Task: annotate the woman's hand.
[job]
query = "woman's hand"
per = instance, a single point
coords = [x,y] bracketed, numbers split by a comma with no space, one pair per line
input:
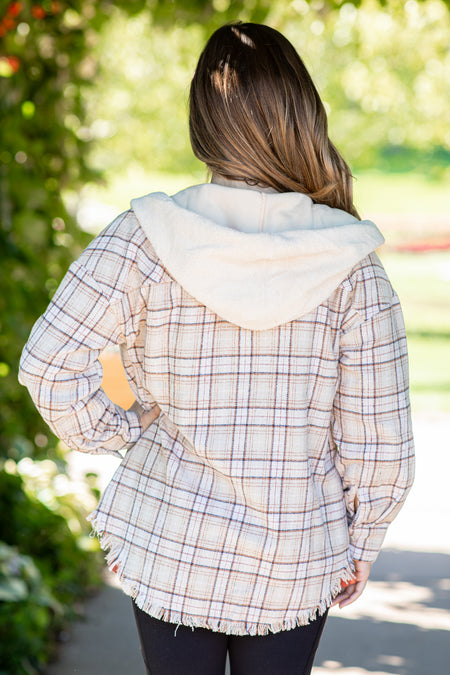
[149,416]
[146,417]
[356,587]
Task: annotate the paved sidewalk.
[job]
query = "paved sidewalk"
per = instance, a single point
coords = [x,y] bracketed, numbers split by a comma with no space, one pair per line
[400,626]
[105,642]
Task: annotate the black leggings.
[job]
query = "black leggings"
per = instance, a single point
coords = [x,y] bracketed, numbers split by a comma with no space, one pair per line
[168,650]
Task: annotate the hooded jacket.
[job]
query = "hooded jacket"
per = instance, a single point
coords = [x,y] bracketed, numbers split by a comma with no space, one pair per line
[266,330]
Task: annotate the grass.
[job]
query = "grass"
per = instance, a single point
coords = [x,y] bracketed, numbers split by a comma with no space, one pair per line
[422,282]
[375,192]
[401,194]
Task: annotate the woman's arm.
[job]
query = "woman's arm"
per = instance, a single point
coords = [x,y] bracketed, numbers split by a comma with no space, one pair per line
[372,424]
[60,367]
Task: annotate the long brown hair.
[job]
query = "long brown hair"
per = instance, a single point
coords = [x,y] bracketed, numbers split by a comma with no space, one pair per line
[256,116]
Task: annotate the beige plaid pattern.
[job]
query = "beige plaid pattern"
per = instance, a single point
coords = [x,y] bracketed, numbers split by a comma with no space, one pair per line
[279,455]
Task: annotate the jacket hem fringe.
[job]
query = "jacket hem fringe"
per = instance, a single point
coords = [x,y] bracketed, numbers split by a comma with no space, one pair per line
[113,548]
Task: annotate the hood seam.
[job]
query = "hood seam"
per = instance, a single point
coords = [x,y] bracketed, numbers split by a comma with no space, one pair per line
[262,212]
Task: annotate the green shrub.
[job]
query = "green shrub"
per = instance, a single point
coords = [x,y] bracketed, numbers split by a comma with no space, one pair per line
[44,568]
[27,613]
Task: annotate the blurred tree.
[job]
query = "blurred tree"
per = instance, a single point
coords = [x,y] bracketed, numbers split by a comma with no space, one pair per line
[388,103]
[45,60]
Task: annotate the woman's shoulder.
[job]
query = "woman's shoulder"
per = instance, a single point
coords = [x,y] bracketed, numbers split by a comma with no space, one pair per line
[366,290]
[121,256]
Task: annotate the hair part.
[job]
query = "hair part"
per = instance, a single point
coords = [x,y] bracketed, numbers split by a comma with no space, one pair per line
[256,116]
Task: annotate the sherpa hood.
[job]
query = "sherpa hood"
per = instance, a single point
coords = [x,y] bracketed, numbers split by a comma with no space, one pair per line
[257,258]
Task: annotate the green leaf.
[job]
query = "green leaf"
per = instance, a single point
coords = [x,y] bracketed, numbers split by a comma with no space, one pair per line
[13,590]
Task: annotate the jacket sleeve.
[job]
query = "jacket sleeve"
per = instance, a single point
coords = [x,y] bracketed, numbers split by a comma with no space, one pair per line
[372,425]
[60,367]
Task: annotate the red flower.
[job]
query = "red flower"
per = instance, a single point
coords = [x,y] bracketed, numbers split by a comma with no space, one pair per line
[38,12]
[14,63]
[8,23]
[9,65]
[15,8]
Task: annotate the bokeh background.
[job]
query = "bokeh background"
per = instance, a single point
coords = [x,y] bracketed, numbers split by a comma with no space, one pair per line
[93,111]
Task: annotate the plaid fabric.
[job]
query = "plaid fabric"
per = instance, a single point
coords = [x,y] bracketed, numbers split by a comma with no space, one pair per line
[279,455]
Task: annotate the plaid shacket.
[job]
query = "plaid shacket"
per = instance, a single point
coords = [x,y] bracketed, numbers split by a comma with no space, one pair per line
[279,455]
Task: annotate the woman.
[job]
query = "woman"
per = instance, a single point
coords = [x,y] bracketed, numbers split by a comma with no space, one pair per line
[270,443]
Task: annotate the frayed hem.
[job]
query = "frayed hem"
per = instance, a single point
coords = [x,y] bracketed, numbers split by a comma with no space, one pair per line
[114,547]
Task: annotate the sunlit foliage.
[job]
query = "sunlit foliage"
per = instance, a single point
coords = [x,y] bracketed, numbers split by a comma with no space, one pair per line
[387,101]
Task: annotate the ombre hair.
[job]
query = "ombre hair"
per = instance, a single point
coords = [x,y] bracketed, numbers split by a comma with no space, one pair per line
[256,116]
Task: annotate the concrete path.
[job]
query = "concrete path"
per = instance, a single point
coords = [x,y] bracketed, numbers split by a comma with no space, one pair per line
[105,642]
[400,626]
